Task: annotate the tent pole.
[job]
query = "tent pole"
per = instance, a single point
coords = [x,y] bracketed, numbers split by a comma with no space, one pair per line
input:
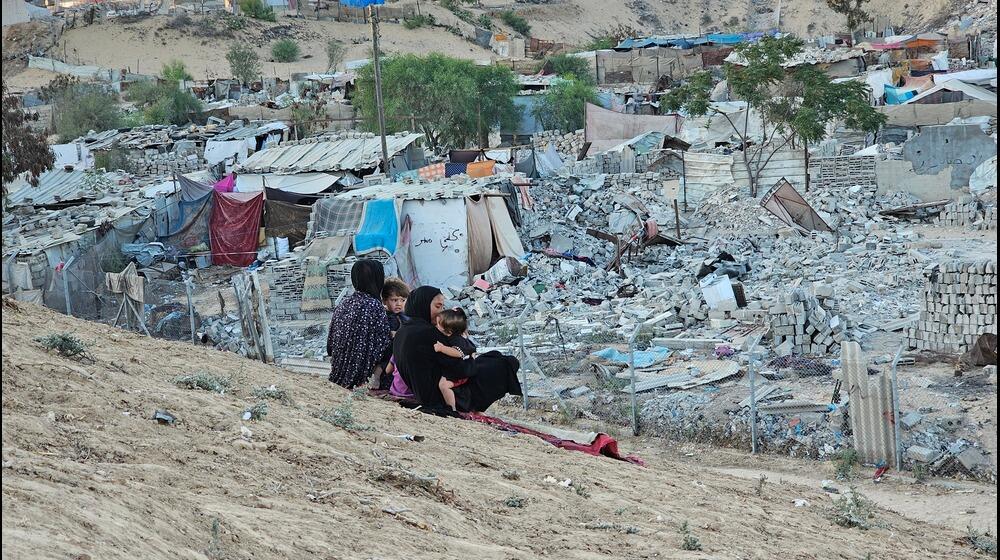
[373,14]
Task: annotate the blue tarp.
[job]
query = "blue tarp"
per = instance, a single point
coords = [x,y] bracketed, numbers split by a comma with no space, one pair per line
[361,3]
[896,96]
[379,229]
[528,123]
[643,358]
[689,42]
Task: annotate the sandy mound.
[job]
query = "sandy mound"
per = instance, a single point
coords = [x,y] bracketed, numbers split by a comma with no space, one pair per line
[88,474]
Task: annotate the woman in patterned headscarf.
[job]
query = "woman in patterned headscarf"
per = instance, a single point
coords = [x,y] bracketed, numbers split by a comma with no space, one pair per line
[359,328]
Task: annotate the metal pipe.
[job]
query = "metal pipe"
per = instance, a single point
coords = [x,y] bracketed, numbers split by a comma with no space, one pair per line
[897,435]
[631,370]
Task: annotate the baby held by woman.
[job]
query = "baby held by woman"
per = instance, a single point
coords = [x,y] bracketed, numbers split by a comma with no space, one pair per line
[454,324]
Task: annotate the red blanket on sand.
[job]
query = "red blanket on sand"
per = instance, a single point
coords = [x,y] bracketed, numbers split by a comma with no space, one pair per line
[603,444]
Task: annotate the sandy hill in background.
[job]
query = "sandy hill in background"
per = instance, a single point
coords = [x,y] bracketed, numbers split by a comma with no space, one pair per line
[143,46]
[88,474]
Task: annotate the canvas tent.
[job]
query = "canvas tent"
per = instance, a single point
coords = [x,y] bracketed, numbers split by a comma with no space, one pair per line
[439,233]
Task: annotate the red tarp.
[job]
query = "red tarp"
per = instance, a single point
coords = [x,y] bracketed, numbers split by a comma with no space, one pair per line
[234,227]
[603,444]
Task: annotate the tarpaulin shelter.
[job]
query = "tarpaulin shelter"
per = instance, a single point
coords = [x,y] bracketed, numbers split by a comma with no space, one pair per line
[788,205]
[285,219]
[193,225]
[444,232]
[235,227]
[605,129]
[192,190]
[226,184]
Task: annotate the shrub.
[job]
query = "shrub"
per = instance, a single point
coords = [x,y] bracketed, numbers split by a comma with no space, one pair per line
[562,107]
[256,412]
[335,50]
[854,510]
[64,343]
[516,22]
[243,62]
[203,381]
[845,463]
[418,21]
[285,50]
[257,9]
[81,108]
[689,541]
[163,103]
[175,71]
[485,21]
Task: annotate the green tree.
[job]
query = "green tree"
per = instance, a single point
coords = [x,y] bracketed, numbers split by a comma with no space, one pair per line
[80,108]
[563,106]
[335,51]
[454,102]
[285,50]
[790,103]
[24,150]
[569,65]
[243,62]
[175,71]
[163,103]
[851,9]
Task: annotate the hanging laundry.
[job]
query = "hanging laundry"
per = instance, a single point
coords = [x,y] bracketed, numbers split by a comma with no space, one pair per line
[431,172]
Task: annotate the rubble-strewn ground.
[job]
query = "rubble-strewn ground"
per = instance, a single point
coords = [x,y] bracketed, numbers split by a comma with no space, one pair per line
[88,473]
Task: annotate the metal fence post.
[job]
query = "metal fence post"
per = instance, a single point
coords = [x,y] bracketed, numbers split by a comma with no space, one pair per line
[631,371]
[524,357]
[897,435]
[753,405]
[188,289]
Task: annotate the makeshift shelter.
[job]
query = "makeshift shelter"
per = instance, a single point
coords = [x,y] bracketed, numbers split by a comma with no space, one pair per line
[605,129]
[439,233]
[355,152]
[234,227]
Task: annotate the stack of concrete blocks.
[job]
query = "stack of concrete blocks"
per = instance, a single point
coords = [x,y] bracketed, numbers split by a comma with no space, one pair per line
[959,304]
[805,323]
[842,171]
[870,407]
[338,278]
[284,280]
[156,164]
[968,211]
[568,144]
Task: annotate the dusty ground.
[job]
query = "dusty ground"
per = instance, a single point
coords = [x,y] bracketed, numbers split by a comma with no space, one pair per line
[87,472]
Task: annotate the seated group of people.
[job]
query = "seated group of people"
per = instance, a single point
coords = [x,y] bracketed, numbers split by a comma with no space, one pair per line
[409,344]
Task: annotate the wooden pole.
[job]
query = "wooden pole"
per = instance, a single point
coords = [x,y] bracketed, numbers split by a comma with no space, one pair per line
[677,220]
[373,12]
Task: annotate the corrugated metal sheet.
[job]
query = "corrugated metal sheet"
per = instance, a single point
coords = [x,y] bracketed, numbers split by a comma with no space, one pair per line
[705,172]
[787,164]
[54,186]
[345,153]
[424,191]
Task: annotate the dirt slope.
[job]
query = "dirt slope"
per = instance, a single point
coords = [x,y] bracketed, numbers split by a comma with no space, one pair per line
[88,474]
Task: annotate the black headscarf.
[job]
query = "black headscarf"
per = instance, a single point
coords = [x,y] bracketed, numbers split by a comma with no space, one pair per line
[418,303]
[368,276]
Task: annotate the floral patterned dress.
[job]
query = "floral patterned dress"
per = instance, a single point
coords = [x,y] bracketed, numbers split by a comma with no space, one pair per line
[358,339]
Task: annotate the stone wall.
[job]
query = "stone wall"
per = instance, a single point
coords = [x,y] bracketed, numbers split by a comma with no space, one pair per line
[968,211]
[959,304]
[568,144]
[842,171]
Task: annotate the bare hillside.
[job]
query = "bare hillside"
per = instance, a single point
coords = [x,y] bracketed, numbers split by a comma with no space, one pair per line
[87,473]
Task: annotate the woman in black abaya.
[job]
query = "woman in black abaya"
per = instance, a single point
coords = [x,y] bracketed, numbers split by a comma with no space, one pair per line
[422,368]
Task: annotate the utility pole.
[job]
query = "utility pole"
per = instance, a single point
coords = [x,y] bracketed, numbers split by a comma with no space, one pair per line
[373,14]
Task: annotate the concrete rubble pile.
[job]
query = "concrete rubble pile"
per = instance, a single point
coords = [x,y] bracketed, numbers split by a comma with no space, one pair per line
[804,323]
[969,211]
[568,144]
[959,304]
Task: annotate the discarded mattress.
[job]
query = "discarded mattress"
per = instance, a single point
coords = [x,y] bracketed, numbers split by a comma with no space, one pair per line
[643,358]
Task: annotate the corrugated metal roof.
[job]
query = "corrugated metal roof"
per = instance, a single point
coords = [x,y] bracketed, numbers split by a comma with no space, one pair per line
[56,185]
[340,153]
[425,191]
